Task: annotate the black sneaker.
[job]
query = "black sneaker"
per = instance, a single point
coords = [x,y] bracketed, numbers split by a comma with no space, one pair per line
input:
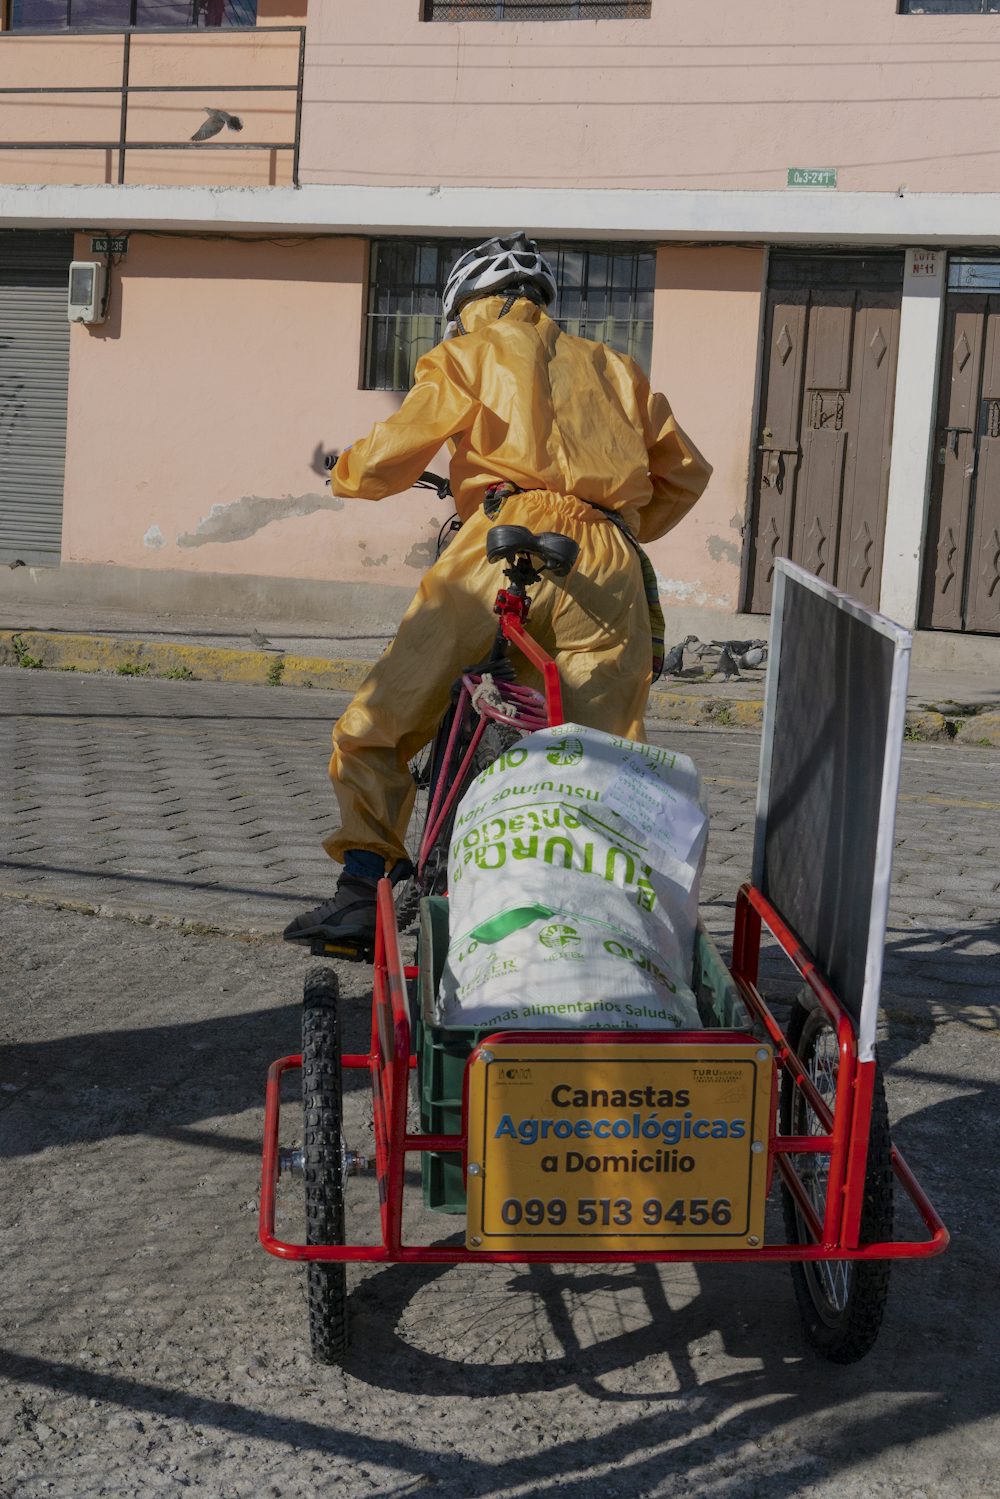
[342,928]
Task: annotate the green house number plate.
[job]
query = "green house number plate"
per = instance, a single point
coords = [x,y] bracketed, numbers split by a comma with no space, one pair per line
[812,176]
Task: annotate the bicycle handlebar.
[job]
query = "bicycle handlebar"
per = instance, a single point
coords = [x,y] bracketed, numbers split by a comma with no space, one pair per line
[427,480]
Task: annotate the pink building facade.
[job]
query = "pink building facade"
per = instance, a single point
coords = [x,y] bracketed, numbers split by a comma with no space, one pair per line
[791,217]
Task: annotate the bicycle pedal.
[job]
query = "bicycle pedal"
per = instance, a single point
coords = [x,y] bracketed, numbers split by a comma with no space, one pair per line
[347,952]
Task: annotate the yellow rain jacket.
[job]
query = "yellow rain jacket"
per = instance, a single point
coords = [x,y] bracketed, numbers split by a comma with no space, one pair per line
[518,399]
[574,425]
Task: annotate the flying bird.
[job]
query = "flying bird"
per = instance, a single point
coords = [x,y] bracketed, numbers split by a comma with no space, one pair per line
[673,662]
[218,120]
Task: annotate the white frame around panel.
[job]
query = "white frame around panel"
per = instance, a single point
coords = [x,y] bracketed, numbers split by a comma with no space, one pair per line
[895,725]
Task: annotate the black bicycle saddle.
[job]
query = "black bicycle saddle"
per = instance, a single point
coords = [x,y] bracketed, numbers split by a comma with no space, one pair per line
[548,550]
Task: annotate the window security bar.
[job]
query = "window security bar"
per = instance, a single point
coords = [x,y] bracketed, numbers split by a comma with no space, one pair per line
[537,10]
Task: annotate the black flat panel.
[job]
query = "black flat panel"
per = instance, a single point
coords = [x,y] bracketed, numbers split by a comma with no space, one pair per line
[830,724]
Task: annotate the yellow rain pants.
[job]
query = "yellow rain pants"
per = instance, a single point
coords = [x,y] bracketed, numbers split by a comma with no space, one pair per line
[568,421]
[595,623]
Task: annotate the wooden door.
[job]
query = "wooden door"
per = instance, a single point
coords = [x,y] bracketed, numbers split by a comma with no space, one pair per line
[961,578]
[982,595]
[822,469]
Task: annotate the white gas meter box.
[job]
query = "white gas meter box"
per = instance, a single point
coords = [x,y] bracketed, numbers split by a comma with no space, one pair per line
[86,291]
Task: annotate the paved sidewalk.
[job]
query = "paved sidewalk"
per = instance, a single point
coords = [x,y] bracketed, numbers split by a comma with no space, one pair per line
[206,805]
[943,704]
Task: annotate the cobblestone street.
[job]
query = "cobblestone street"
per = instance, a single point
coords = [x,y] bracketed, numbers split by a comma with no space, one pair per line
[207,804]
[148,1344]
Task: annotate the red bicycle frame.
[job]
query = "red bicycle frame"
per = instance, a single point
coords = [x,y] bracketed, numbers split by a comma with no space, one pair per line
[389,1062]
[513,610]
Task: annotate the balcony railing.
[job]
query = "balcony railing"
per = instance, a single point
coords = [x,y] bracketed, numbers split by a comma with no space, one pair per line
[209,95]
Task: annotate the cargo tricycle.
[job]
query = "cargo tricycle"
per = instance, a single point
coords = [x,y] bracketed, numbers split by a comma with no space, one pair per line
[582,1146]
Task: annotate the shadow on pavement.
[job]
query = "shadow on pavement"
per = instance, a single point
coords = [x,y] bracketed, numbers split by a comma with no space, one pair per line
[846,1417]
[119,877]
[538,1329]
[151,1080]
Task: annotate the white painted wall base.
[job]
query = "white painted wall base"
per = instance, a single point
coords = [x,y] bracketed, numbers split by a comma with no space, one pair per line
[789,217]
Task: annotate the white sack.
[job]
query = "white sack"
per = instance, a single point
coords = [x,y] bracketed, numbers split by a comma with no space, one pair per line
[573,877]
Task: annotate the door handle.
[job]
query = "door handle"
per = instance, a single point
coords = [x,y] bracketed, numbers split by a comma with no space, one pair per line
[773,468]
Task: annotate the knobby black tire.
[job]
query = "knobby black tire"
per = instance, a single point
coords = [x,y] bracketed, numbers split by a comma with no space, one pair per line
[842,1327]
[322,1152]
[426,770]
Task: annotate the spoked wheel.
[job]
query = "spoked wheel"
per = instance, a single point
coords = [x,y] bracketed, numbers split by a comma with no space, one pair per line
[426,769]
[841,1302]
[323,1161]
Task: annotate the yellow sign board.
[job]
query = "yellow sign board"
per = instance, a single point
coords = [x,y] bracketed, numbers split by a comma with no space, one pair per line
[591,1146]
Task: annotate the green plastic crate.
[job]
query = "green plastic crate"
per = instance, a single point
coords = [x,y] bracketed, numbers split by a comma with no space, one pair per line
[444,1050]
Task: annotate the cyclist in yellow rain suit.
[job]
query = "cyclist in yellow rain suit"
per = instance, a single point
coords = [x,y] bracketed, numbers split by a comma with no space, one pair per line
[571,425]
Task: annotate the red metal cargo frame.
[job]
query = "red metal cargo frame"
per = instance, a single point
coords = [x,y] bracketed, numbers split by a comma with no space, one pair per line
[390,1061]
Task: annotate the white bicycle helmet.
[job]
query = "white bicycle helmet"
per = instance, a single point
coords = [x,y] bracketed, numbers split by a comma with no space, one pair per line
[505,263]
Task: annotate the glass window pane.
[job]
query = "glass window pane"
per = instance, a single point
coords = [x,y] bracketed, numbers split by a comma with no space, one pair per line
[571,268]
[36,15]
[950,7]
[623,269]
[160,13]
[536,10]
[98,15]
[116,15]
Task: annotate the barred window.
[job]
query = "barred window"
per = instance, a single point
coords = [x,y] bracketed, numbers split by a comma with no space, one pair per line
[605,292]
[537,10]
[949,7]
[119,15]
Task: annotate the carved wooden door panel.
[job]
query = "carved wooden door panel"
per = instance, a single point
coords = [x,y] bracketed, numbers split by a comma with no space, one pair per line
[869,446]
[778,449]
[824,432]
[948,528]
[822,461]
[982,607]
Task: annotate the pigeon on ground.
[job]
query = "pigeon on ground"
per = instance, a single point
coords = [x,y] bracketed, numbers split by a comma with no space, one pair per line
[17,562]
[218,120]
[739,647]
[701,649]
[673,662]
[260,642]
[754,657]
[727,664]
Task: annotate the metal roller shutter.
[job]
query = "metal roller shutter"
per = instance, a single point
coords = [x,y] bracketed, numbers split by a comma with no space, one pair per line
[34,376]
